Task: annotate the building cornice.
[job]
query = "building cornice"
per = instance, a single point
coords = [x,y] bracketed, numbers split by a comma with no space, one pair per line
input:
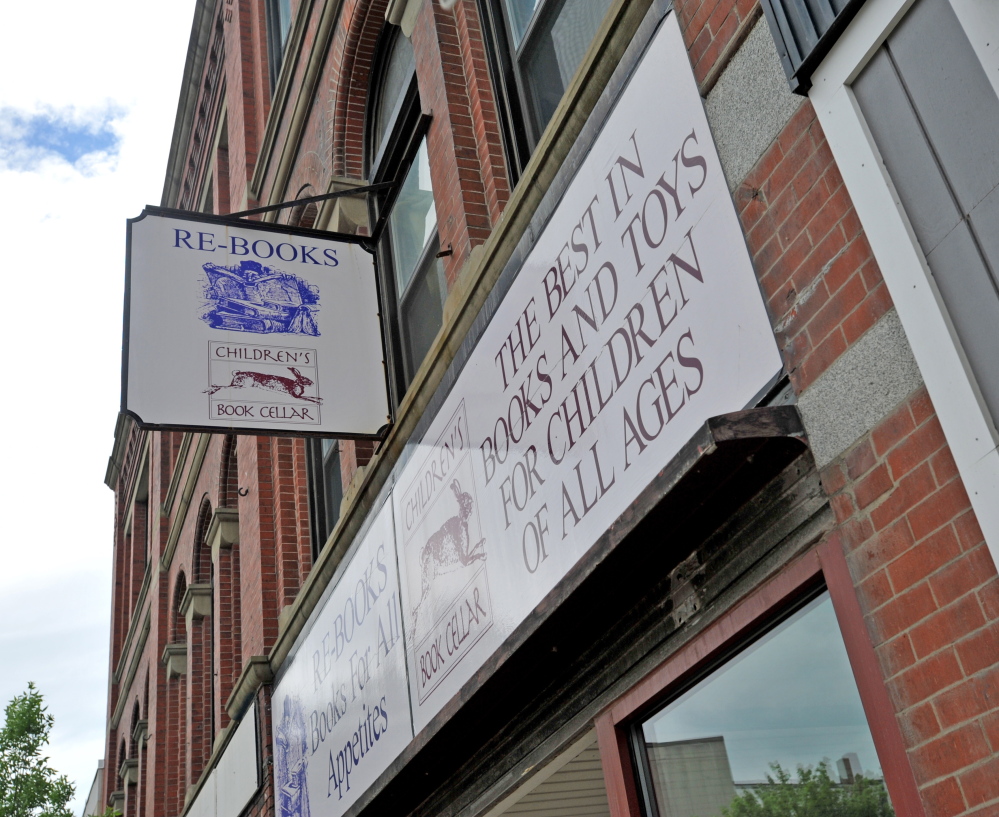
[178,471]
[133,626]
[300,106]
[187,105]
[122,427]
[133,667]
[185,501]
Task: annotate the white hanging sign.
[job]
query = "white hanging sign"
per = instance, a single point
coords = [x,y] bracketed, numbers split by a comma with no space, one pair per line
[256,328]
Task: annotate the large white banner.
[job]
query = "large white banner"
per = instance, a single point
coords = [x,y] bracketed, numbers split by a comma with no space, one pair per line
[233,327]
[636,317]
[341,705]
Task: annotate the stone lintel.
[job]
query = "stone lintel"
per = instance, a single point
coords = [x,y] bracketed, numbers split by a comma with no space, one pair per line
[256,672]
[197,602]
[129,771]
[223,530]
[141,732]
[175,659]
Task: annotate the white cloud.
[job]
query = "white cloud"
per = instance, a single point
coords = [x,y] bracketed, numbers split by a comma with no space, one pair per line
[62,229]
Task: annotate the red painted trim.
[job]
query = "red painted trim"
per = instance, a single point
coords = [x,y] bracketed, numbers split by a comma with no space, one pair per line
[822,563]
[870,682]
[615,758]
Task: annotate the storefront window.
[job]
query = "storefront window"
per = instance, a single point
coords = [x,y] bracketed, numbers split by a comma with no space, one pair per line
[777,730]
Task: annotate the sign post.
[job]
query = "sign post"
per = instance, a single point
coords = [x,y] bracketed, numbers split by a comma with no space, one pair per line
[250,327]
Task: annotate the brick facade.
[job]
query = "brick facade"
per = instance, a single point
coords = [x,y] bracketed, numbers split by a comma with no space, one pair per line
[923,575]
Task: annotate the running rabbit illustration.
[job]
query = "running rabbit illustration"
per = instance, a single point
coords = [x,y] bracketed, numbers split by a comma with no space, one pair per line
[449,546]
[271,382]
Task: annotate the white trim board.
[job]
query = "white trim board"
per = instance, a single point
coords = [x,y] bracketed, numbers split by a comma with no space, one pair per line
[967,424]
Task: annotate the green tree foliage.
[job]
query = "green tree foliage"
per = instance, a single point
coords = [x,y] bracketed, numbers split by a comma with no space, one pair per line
[813,794]
[29,787]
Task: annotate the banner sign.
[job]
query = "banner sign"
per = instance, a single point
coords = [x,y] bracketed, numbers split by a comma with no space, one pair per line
[635,318]
[341,706]
[256,327]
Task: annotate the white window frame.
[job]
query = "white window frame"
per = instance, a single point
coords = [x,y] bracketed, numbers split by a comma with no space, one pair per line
[951,384]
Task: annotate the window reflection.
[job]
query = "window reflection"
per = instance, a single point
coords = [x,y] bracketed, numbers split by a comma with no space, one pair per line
[398,74]
[553,46]
[520,12]
[778,728]
[414,218]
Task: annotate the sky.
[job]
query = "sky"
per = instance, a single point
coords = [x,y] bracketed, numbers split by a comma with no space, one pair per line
[789,699]
[87,100]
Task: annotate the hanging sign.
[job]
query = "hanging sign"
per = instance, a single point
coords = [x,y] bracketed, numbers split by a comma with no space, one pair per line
[635,317]
[252,327]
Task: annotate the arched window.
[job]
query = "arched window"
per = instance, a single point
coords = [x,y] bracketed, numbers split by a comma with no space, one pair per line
[278,27]
[122,757]
[201,646]
[177,716]
[229,474]
[396,150]
[179,625]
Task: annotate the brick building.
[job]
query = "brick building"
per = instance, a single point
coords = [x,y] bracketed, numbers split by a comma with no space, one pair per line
[769,543]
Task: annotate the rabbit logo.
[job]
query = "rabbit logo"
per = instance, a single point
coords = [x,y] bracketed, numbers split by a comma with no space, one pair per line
[292,387]
[449,547]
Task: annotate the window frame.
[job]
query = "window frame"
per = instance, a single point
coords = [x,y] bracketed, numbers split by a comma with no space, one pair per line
[520,133]
[277,38]
[797,62]
[404,134]
[822,568]
[320,522]
[971,434]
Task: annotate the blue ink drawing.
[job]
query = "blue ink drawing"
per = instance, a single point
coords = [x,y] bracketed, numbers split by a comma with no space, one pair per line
[251,297]
[292,762]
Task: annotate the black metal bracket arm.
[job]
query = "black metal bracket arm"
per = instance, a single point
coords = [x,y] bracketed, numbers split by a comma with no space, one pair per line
[350,191]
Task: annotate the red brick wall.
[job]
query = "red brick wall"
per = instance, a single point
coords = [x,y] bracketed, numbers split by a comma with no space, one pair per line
[923,575]
[930,594]
[709,28]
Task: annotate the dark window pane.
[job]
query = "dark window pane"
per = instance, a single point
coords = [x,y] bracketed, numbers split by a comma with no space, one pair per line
[414,219]
[284,19]
[394,83]
[555,50]
[422,312]
[332,483]
[520,13]
[779,725]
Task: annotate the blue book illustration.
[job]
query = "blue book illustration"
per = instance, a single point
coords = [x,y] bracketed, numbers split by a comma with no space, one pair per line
[252,297]
[292,762]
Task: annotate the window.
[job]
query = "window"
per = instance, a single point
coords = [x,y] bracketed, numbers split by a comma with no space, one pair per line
[278,26]
[804,31]
[934,115]
[325,489]
[412,276]
[536,47]
[777,726]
